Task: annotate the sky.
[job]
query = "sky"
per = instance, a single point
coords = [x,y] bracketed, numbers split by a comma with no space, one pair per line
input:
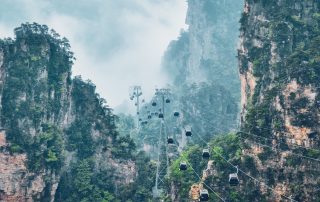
[117,43]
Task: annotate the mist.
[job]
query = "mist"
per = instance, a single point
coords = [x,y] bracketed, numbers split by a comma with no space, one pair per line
[117,43]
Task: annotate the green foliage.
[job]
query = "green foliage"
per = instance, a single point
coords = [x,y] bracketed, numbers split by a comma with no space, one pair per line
[124,147]
[80,139]
[184,179]
[47,149]
[82,179]
[14,148]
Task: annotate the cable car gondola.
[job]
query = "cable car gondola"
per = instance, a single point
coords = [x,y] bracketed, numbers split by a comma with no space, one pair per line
[176,114]
[204,195]
[233,178]
[161,115]
[170,140]
[188,131]
[205,153]
[183,165]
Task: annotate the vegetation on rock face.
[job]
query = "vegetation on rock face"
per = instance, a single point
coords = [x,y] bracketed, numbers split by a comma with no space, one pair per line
[65,128]
[37,65]
[279,50]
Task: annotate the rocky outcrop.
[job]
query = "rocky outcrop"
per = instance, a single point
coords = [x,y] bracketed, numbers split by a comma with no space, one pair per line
[17,183]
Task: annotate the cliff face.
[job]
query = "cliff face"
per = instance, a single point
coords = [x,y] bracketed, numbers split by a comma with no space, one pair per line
[203,66]
[52,122]
[279,73]
[206,51]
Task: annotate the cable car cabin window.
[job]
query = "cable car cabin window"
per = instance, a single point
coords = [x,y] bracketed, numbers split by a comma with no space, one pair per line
[176,114]
[205,153]
[183,166]
[160,115]
[204,195]
[233,179]
[170,140]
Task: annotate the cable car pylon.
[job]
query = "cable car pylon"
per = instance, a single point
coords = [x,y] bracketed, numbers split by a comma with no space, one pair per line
[135,93]
[161,95]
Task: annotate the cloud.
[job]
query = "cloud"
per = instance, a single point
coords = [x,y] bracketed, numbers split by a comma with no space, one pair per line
[117,43]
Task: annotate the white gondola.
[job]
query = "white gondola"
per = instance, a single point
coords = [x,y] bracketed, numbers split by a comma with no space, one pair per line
[205,153]
[233,178]
[204,195]
[188,131]
[183,165]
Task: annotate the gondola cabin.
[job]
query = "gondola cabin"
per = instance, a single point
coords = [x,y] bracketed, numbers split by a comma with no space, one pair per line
[188,132]
[183,165]
[161,115]
[204,195]
[170,140]
[205,153]
[233,179]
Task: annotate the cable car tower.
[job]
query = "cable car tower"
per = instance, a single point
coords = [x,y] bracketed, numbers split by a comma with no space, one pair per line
[163,97]
[135,93]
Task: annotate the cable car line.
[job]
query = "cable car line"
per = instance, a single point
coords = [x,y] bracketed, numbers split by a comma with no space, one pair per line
[279,151]
[215,193]
[299,155]
[295,145]
[238,169]
[185,159]
[260,182]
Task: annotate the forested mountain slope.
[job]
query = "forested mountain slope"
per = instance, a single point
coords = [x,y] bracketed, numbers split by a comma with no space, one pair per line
[59,140]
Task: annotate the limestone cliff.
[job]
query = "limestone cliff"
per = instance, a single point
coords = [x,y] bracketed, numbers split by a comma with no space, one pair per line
[53,124]
[279,60]
[205,52]
[202,66]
